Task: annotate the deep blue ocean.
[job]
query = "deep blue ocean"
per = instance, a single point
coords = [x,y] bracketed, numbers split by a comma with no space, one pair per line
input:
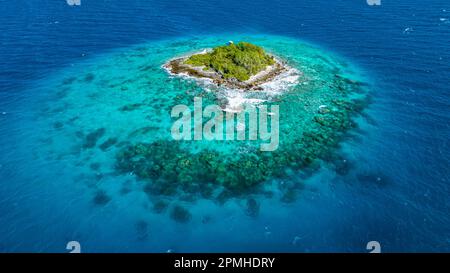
[398,192]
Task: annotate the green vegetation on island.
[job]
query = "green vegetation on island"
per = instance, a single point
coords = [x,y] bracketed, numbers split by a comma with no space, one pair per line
[239,61]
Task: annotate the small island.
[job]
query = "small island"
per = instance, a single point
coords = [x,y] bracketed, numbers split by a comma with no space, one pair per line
[242,65]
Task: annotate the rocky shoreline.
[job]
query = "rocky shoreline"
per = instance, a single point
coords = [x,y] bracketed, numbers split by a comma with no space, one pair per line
[178,66]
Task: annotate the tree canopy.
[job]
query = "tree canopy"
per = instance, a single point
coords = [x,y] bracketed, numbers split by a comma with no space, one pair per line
[239,61]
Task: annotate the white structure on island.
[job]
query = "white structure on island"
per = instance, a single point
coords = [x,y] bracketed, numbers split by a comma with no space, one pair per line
[230,43]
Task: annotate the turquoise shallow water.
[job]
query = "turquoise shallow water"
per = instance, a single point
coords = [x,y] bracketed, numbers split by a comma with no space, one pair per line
[85,114]
[393,186]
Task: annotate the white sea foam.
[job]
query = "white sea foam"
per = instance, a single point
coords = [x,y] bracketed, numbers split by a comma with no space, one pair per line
[238,99]
[282,82]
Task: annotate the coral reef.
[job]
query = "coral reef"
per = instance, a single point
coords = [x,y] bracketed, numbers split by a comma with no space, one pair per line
[101,198]
[92,138]
[252,208]
[171,167]
[108,143]
[318,103]
[142,230]
[160,206]
[89,77]
[180,214]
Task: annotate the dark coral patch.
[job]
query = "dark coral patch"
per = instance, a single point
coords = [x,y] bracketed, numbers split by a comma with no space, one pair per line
[130,107]
[92,138]
[101,198]
[180,214]
[108,143]
[89,77]
[252,207]
[160,206]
